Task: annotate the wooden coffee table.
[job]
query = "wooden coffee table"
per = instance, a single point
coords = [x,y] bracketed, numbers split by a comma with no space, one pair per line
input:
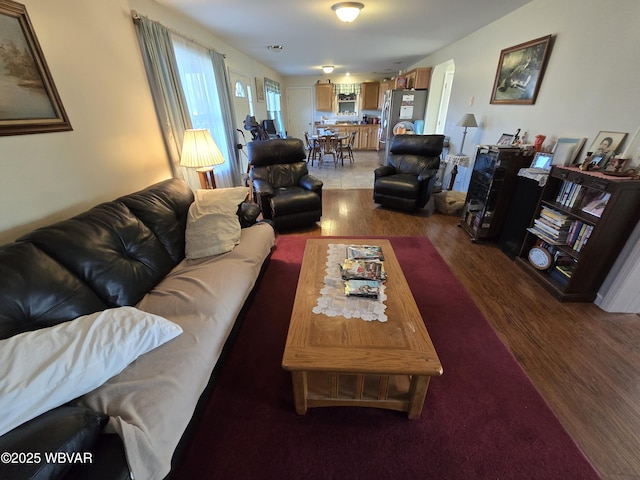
[351,362]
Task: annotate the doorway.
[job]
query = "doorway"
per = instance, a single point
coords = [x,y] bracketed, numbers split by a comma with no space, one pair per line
[300,111]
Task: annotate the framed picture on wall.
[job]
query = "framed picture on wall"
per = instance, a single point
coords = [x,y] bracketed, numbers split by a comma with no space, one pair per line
[29,102]
[520,71]
[259,90]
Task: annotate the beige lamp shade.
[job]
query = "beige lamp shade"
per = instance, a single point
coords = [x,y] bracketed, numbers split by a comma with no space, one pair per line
[199,149]
[469,120]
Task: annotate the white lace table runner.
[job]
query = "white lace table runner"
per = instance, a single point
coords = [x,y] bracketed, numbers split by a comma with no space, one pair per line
[334,302]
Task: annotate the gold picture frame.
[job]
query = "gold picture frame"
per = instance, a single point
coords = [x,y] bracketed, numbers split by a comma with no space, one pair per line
[520,71]
[32,104]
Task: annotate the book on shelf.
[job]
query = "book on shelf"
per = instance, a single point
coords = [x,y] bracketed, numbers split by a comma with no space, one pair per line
[554,231]
[594,202]
[554,217]
[570,194]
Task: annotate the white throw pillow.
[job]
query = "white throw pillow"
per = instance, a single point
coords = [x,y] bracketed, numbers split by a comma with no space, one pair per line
[46,368]
[212,225]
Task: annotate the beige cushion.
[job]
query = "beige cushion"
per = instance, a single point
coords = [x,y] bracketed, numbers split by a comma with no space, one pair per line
[212,224]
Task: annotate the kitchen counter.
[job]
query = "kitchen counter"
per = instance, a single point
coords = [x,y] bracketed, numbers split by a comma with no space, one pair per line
[366,133]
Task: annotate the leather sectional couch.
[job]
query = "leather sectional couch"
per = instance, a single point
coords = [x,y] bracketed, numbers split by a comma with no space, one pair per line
[124,258]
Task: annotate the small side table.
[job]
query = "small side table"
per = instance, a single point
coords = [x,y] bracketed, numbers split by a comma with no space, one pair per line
[455,160]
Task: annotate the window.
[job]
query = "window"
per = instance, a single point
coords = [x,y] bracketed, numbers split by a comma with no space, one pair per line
[273,104]
[240,90]
[195,68]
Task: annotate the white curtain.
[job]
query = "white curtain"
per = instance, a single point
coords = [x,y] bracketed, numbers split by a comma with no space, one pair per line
[190,89]
[166,90]
[208,103]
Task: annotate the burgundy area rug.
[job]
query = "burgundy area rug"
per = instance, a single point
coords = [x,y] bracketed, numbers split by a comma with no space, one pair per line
[482,419]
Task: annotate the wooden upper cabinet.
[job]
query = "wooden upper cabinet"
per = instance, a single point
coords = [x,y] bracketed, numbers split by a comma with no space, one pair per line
[418,78]
[324,96]
[384,86]
[370,95]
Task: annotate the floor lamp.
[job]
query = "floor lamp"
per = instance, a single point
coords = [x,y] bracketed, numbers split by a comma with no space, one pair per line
[469,120]
[199,151]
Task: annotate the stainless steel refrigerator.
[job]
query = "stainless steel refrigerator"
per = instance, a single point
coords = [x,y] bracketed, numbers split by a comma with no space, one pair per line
[401,108]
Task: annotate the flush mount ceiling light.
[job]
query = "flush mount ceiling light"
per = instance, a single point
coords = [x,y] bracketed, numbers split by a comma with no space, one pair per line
[327,68]
[347,11]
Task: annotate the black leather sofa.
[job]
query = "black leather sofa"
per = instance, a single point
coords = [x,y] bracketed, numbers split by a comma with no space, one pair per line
[109,256]
[407,180]
[283,188]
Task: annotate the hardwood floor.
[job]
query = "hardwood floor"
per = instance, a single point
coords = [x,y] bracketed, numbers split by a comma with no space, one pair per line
[584,361]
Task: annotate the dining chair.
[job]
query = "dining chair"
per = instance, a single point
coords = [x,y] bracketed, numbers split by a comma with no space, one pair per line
[347,148]
[329,146]
[313,150]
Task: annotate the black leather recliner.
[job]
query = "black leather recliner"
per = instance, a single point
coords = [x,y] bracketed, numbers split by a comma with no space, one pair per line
[407,180]
[282,186]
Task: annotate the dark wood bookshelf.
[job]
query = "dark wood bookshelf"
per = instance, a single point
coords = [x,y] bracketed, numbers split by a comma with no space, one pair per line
[609,231]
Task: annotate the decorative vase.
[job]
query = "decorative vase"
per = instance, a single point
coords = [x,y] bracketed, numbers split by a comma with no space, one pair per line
[537,146]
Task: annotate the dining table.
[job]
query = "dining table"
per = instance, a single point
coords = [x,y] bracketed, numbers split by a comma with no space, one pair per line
[322,143]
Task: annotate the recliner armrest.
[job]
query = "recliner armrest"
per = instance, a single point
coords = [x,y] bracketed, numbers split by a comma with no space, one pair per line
[427,175]
[262,188]
[384,171]
[309,182]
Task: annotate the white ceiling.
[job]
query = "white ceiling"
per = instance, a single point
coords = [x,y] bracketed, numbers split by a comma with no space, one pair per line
[388,36]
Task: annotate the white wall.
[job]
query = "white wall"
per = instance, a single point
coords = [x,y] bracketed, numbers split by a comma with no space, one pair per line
[116,146]
[590,85]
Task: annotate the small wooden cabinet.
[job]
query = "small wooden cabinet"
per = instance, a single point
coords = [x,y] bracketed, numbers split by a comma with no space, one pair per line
[370,95]
[585,241]
[324,97]
[418,78]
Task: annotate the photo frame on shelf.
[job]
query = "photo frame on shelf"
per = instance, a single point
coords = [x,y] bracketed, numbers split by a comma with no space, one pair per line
[30,102]
[505,139]
[603,148]
[566,150]
[520,71]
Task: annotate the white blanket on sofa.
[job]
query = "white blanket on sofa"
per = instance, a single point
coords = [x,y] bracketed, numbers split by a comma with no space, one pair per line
[151,402]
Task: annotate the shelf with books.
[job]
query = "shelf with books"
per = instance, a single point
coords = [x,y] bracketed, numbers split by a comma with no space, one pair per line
[583,220]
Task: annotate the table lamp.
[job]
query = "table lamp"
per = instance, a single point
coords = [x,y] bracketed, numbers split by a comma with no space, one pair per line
[199,151]
[469,120]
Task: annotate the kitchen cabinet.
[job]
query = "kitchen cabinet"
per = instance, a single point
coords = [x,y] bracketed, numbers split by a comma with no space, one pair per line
[366,135]
[324,97]
[384,86]
[367,138]
[418,78]
[370,95]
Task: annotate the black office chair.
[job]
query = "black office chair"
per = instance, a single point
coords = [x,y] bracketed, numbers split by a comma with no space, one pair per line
[282,186]
[407,180]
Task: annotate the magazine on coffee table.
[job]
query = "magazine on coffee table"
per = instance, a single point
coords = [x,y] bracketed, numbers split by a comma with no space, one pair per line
[362,269]
[362,288]
[364,252]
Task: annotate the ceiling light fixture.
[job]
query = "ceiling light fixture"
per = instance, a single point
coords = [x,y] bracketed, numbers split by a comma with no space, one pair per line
[347,11]
[275,48]
[327,68]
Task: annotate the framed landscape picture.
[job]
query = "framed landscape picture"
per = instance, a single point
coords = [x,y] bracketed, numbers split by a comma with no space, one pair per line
[30,102]
[520,71]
